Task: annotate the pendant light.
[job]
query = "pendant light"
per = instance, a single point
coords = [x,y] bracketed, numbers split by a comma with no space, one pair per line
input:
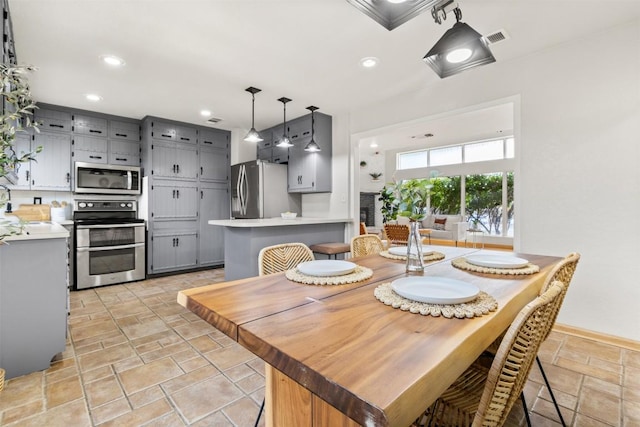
[253,135]
[284,141]
[459,49]
[312,146]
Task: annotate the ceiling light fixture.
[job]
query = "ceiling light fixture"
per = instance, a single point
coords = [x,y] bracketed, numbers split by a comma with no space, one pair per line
[93,97]
[369,62]
[312,146]
[253,135]
[112,60]
[284,141]
[392,13]
[460,48]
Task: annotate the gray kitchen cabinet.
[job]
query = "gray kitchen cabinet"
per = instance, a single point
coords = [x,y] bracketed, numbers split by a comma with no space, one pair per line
[52,170]
[23,144]
[174,160]
[169,131]
[88,125]
[310,172]
[214,164]
[174,200]
[128,131]
[173,246]
[33,304]
[122,152]
[214,204]
[51,120]
[89,149]
[214,138]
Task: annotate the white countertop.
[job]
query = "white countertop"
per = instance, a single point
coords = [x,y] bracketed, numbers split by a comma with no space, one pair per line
[275,222]
[41,230]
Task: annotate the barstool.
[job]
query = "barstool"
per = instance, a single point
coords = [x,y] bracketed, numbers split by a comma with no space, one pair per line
[329,249]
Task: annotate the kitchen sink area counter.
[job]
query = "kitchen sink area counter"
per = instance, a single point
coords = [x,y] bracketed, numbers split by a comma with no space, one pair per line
[244,238]
[40,230]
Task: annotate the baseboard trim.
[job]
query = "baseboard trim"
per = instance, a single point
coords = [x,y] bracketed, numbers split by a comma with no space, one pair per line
[598,336]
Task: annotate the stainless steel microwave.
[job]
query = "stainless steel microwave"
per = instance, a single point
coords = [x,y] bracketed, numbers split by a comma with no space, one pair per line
[94,178]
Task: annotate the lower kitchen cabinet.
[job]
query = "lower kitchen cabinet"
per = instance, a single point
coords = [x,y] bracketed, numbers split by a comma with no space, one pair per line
[173,246]
[33,304]
[214,204]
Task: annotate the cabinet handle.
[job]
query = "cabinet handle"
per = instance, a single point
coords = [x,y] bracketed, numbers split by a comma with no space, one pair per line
[201,194]
[95,157]
[174,168]
[177,241]
[207,142]
[94,131]
[201,170]
[166,135]
[177,194]
[182,138]
[178,168]
[26,175]
[121,159]
[53,125]
[173,194]
[68,177]
[124,135]
[174,242]
[276,160]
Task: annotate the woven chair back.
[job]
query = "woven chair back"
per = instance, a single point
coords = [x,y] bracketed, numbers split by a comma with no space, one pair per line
[515,356]
[367,244]
[277,258]
[363,228]
[397,234]
[563,272]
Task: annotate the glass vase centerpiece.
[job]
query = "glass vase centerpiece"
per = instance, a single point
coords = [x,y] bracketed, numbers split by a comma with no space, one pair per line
[411,198]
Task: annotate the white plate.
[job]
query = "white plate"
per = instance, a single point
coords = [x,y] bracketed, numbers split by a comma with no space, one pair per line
[326,267]
[435,290]
[497,261]
[402,250]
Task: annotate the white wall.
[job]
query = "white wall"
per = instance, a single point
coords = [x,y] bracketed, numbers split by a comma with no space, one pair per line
[578,180]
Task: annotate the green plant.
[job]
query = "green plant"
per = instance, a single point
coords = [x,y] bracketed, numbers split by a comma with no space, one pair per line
[375,175]
[17,116]
[411,197]
[389,208]
[363,163]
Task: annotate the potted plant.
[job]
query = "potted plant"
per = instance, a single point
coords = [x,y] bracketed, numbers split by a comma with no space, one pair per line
[411,197]
[363,164]
[375,176]
[17,116]
[389,208]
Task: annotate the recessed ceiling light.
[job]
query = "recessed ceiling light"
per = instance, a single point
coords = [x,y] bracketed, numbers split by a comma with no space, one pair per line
[205,113]
[112,60]
[369,62]
[93,97]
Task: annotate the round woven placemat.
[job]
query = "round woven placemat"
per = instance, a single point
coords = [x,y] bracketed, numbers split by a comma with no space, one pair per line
[433,256]
[481,305]
[359,274]
[462,264]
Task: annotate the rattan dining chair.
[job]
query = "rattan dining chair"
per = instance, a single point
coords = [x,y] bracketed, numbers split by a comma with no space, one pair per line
[396,234]
[562,271]
[363,228]
[484,396]
[366,244]
[277,258]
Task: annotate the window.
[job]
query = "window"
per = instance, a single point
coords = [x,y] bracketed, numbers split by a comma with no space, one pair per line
[445,196]
[445,156]
[413,159]
[489,202]
[484,151]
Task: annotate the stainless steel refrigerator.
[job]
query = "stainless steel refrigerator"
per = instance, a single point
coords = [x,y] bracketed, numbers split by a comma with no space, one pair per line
[259,190]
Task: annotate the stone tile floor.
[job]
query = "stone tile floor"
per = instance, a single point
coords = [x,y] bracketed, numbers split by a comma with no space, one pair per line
[134,357]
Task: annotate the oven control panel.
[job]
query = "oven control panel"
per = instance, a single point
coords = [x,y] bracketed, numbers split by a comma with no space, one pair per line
[105,205]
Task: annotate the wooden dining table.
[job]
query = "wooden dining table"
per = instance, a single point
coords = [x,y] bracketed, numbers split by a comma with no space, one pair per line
[336,356]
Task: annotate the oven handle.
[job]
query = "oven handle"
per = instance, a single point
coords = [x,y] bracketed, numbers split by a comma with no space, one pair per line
[110,248]
[85,227]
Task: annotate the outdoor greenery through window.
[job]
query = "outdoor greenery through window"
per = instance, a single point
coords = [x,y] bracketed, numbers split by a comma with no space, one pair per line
[485,199]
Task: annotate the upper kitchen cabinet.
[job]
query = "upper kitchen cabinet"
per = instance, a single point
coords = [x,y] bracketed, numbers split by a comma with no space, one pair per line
[174,160]
[124,143]
[52,168]
[50,120]
[168,131]
[214,155]
[267,150]
[310,172]
[87,125]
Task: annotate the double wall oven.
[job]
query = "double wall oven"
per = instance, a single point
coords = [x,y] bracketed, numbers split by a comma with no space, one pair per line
[109,242]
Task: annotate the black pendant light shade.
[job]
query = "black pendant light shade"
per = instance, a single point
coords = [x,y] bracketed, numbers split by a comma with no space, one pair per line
[284,140]
[253,135]
[459,49]
[312,146]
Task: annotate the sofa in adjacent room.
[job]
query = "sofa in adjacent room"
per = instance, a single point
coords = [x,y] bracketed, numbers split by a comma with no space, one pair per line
[445,227]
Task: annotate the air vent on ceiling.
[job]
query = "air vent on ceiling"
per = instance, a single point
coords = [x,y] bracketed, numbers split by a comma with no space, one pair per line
[497,36]
[214,120]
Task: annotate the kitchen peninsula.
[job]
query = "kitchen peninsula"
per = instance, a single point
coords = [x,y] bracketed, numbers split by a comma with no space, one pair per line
[243,238]
[33,298]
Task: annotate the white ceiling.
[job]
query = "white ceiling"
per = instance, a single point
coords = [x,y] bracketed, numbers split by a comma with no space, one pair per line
[186,55]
